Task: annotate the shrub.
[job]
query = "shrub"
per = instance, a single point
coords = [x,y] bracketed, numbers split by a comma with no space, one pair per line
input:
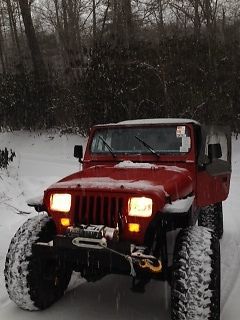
[6,156]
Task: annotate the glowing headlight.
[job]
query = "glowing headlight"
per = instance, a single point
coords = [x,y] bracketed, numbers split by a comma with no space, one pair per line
[140,207]
[60,202]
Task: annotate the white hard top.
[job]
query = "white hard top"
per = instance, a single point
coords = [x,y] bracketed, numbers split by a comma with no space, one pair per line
[153,121]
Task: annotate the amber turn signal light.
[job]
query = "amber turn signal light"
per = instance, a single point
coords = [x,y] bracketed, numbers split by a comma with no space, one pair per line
[65,222]
[133,227]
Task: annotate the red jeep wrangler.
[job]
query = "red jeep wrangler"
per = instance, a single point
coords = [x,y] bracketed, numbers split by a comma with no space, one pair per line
[139,181]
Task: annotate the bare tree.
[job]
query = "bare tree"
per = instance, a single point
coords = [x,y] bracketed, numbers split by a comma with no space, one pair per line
[14,34]
[104,20]
[122,22]
[209,9]
[197,19]
[94,22]
[37,59]
[2,49]
[2,57]
[155,11]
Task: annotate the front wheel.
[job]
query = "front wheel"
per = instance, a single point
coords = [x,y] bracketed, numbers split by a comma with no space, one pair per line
[195,292]
[34,283]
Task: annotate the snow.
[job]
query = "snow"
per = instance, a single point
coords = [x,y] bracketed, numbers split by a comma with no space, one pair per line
[159,121]
[144,165]
[135,165]
[44,158]
[179,206]
[35,201]
[152,121]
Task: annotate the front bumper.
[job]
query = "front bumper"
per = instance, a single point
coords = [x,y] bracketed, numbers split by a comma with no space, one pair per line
[97,254]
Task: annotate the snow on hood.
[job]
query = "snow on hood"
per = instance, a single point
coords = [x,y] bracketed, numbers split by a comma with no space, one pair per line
[144,165]
[138,165]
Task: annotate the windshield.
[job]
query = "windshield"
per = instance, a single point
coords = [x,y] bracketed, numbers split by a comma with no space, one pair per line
[142,140]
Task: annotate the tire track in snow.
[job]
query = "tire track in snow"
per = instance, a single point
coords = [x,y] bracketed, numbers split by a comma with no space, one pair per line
[4,301]
[230,261]
[230,244]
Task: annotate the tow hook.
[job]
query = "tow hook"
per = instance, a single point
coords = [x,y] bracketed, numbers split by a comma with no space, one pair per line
[144,260]
[154,266]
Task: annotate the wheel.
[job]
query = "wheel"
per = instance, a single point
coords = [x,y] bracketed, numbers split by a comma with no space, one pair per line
[195,291]
[34,283]
[212,217]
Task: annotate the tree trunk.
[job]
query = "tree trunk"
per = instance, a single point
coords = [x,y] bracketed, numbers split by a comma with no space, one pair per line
[127,18]
[122,22]
[197,23]
[223,25]
[3,40]
[60,35]
[2,56]
[210,27]
[1,53]
[94,23]
[14,34]
[104,21]
[160,22]
[37,60]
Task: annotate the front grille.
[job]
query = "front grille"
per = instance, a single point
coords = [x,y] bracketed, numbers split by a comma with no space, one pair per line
[98,209]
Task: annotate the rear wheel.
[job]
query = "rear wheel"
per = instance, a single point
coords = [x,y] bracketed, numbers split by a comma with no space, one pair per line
[195,292]
[32,282]
[212,218]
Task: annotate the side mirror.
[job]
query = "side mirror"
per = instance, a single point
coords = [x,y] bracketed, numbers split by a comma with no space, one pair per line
[214,151]
[78,152]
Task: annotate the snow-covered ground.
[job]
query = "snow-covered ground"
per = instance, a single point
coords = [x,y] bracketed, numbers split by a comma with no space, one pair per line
[43,158]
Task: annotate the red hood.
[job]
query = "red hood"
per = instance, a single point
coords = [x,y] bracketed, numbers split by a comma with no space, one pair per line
[160,180]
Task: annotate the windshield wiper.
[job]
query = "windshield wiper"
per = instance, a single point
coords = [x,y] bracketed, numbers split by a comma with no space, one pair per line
[148,147]
[108,146]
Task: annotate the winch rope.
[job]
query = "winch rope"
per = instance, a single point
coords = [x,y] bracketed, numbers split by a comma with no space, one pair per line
[130,260]
[127,257]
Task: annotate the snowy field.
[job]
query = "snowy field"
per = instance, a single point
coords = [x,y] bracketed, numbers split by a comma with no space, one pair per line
[44,158]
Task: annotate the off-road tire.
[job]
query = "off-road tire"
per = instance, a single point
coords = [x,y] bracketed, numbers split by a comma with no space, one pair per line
[34,283]
[212,218]
[195,292]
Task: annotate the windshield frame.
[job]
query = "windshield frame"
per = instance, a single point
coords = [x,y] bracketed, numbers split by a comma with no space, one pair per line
[147,155]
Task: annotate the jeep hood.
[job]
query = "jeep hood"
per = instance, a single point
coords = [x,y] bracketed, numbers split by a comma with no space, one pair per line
[128,177]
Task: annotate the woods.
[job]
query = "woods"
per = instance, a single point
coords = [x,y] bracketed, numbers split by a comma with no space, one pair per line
[74,63]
